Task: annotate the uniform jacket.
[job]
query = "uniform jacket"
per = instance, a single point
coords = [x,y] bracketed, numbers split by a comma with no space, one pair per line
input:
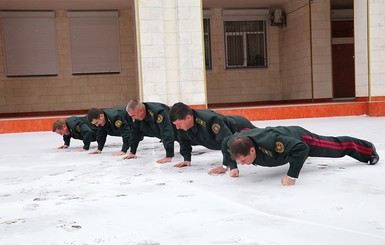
[80,128]
[209,130]
[156,124]
[118,123]
[275,146]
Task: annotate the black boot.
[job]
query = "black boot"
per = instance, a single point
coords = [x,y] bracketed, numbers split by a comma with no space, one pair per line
[375,157]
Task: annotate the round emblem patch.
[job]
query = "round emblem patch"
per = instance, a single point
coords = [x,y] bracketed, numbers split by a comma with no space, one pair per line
[159,119]
[77,128]
[118,123]
[216,127]
[279,147]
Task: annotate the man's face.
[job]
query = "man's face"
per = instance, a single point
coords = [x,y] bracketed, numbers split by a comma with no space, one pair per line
[184,124]
[248,159]
[63,131]
[99,122]
[139,114]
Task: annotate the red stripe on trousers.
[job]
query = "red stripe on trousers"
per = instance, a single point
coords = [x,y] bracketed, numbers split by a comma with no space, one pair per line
[336,146]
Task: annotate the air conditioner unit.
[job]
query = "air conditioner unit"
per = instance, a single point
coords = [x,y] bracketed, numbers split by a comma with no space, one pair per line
[278,17]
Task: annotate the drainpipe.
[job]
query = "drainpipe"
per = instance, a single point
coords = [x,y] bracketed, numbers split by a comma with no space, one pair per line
[311,53]
[203,57]
[139,50]
[368,49]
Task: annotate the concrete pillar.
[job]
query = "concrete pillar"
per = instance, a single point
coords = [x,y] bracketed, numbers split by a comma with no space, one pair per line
[360,48]
[170,51]
[369,33]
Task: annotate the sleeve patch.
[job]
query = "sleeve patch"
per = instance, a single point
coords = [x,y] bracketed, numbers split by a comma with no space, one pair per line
[279,147]
[77,128]
[215,127]
[118,123]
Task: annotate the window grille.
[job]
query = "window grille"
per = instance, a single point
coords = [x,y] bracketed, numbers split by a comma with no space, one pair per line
[245,43]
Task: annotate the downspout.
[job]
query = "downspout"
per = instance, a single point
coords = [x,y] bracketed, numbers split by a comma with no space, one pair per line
[203,57]
[139,51]
[368,50]
[311,53]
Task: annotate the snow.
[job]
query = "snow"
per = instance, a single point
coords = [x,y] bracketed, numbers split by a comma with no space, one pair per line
[56,196]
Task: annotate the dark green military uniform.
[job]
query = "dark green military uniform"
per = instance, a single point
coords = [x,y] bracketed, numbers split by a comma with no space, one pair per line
[80,128]
[118,123]
[209,129]
[156,124]
[276,146]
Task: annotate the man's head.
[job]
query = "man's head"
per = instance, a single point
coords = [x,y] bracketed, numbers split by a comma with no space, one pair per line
[242,150]
[181,116]
[136,110]
[96,117]
[60,127]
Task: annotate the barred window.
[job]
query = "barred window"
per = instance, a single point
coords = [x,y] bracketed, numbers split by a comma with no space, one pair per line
[207,42]
[94,40]
[245,43]
[30,45]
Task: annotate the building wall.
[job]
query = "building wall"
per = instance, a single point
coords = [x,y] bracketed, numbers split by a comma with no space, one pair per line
[321,49]
[242,85]
[72,92]
[306,64]
[295,52]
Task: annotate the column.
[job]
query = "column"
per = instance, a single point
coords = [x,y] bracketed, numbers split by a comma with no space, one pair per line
[170,51]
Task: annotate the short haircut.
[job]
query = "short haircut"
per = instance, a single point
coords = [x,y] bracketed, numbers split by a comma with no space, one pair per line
[134,105]
[94,114]
[58,124]
[240,146]
[179,111]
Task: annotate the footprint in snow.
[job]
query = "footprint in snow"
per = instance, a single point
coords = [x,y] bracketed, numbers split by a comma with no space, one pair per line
[71,226]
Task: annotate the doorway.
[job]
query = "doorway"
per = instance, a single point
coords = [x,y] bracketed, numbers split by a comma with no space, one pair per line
[343,67]
[343,60]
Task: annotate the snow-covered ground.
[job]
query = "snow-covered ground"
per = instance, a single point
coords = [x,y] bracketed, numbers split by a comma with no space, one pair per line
[52,196]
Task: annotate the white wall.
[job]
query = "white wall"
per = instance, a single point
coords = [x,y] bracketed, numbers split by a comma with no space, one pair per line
[377,47]
[360,48]
[170,48]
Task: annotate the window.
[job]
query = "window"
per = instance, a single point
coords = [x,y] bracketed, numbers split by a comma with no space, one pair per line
[207,42]
[245,39]
[94,40]
[29,43]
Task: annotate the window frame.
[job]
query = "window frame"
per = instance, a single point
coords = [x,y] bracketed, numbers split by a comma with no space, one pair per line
[207,17]
[259,15]
[30,43]
[84,58]
[207,34]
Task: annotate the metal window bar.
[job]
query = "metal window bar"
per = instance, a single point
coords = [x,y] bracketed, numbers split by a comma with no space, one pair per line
[245,44]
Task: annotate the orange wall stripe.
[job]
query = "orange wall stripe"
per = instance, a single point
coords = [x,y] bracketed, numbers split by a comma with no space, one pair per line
[374,108]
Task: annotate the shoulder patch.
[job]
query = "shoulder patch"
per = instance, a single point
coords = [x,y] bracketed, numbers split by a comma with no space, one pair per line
[201,122]
[216,127]
[118,123]
[266,151]
[279,147]
[159,119]
[77,128]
